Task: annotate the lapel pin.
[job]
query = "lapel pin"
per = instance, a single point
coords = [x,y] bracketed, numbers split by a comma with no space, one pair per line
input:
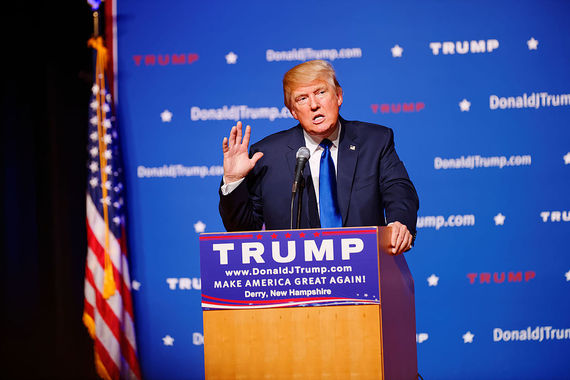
[352,147]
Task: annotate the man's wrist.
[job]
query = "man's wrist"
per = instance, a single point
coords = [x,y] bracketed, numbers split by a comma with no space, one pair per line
[228,187]
[231,179]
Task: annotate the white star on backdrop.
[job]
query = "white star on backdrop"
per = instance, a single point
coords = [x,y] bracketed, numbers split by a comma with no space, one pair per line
[135,285]
[499,219]
[433,280]
[199,227]
[566,158]
[465,105]
[422,337]
[567,274]
[397,51]
[468,337]
[168,340]
[166,116]
[532,44]
[231,58]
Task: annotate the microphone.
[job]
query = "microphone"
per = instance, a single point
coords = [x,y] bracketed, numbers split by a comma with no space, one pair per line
[303,155]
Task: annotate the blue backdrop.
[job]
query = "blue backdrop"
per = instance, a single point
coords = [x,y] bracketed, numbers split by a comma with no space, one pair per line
[478,95]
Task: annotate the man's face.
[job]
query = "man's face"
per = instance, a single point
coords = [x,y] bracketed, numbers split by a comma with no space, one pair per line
[316,106]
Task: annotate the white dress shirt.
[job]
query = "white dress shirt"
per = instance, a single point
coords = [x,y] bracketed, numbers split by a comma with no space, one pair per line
[316,151]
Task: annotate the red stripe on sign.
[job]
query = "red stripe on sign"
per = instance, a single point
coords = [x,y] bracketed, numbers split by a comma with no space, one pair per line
[221,237]
[273,301]
[349,232]
[213,304]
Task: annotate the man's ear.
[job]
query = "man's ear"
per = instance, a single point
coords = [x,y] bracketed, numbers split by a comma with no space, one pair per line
[293,113]
[339,95]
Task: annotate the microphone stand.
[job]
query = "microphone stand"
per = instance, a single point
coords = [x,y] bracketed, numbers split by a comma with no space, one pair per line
[300,202]
[299,191]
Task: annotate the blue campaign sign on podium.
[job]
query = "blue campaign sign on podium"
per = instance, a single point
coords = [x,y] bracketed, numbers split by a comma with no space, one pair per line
[478,96]
[289,268]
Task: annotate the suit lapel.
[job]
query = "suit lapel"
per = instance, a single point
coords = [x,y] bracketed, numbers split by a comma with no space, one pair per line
[346,161]
[295,142]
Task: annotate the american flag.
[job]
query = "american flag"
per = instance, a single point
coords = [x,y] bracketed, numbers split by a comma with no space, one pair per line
[108,311]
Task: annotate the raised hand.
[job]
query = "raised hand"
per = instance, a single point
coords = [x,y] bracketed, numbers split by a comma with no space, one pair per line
[236,158]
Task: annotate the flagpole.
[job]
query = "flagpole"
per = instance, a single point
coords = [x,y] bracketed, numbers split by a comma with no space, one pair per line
[109,285]
[96,24]
[95,5]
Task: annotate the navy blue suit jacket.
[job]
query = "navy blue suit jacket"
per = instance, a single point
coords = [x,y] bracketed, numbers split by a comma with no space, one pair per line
[373,186]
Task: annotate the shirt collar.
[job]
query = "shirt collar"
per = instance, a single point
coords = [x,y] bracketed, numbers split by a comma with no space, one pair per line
[313,144]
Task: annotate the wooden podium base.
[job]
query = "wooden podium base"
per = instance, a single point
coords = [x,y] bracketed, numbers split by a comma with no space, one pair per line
[328,342]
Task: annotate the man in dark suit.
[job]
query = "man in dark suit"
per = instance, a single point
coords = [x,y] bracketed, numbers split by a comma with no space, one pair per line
[367,186]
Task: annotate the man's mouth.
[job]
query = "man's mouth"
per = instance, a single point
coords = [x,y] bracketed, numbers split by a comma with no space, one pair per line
[318,119]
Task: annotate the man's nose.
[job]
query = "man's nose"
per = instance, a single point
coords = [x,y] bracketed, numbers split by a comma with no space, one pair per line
[313,103]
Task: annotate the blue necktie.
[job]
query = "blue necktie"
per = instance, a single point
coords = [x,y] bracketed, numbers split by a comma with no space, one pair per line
[330,214]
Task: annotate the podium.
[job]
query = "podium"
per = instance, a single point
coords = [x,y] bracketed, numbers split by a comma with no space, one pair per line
[307,304]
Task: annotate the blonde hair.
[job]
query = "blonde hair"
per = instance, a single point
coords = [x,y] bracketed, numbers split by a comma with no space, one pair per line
[305,73]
